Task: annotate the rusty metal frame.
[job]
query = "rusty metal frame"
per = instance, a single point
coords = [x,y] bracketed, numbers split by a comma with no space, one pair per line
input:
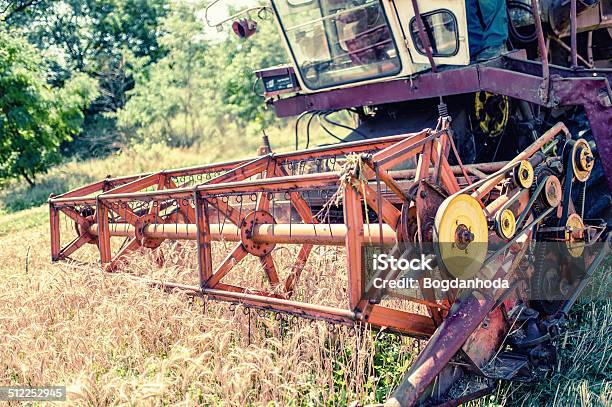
[87,195]
[114,217]
[192,210]
[263,177]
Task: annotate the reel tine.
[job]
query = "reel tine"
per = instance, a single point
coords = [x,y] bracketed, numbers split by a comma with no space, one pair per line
[240,210]
[273,207]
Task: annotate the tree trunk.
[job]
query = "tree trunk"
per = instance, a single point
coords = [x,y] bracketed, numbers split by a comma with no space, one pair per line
[29,180]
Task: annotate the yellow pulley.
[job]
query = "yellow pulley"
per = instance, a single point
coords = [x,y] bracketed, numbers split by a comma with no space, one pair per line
[505,224]
[574,235]
[523,174]
[582,160]
[461,234]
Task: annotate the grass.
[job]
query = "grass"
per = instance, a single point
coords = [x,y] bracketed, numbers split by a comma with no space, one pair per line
[23,220]
[117,342]
[18,196]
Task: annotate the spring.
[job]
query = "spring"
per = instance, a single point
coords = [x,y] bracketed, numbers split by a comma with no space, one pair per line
[443,109]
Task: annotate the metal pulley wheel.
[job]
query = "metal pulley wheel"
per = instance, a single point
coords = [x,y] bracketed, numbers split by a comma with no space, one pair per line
[583,160]
[523,174]
[553,193]
[461,234]
[505,224]
[574,235]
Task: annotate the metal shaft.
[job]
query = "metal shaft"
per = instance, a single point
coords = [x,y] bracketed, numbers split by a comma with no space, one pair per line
[317,234]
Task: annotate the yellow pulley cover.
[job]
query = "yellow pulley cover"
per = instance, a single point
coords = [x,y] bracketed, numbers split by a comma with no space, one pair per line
[505,224]
[491,112]
[574,235]
[462,235]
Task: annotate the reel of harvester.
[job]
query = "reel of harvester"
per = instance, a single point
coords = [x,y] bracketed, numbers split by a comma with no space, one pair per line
[482,221]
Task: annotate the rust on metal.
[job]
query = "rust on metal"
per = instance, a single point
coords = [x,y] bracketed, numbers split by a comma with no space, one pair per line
[353,197]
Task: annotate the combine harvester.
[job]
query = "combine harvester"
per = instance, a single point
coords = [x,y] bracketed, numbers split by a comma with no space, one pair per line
[527,220]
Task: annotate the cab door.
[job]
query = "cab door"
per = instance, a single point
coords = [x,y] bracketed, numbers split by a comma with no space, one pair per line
[445,25]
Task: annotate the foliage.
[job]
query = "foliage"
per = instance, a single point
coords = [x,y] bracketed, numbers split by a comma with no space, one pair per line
[203,88]
[162,75]
[12,8]
[34,119]
[165,93]
[94,37]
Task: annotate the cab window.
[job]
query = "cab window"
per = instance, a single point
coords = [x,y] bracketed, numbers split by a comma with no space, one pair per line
[335,42]
[441,29]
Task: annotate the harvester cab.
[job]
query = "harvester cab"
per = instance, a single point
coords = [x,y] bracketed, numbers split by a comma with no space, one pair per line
[340,43]
[337,43]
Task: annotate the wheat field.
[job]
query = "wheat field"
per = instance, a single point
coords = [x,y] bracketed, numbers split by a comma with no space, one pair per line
[114,341]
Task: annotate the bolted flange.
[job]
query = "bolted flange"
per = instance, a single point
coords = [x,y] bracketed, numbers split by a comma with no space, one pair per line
[83,229]
[139,227]
[247,227]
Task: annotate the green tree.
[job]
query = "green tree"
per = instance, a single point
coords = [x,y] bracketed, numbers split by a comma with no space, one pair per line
[95,37]
[235,61]
[34,119]
[89,33]
[167,100]
[203,88]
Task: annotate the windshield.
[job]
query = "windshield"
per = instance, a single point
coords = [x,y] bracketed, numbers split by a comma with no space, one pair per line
[338,41]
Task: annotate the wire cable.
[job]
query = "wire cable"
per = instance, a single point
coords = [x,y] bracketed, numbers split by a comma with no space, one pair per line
[323,119]
[321,114]
[515,4]
[297,125]
[334,123]
[308,129]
